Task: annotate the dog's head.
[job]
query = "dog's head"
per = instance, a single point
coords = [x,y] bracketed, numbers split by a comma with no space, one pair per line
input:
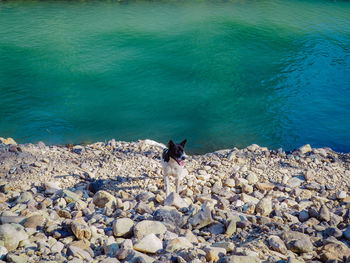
[176,151]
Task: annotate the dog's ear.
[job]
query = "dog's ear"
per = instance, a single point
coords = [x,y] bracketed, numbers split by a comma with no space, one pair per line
[183,143]
[171,144]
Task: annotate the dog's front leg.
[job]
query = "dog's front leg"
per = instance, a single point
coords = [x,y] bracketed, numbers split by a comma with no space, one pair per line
[166,185]
[177,184]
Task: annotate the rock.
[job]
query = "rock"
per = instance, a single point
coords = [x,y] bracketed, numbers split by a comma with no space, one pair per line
[149,244]
[295,182]
[213,254]
[174,199]
[341,195]
[202,218]
[51,187]
[239,259]
[3,252]
[12,219]
[11,235]
[24,197]
[138,257]
[228,246]
[70,196]
[169,216]
[123,227]
[248,199]
[346,233]
[81,230]
[57,247]
[264,207]
[7,141]
[324,214]
[111,247]
[230,183]
[34,221]
[79,253]
[146,227]
[305,149]
[334,252]
[142,208]
[216,229]
[178,244]
[82,243]
[104,199]
[304,216]
[78,149]
[109,260]
[265,186]
[277,244]
[248,189]
[297,242]
[232,227]
[252,178]
[12,258]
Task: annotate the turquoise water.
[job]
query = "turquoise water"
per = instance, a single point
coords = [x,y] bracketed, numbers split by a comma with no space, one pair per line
[219,73]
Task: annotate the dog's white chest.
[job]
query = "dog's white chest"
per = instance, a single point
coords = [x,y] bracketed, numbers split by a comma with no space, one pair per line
[172,168]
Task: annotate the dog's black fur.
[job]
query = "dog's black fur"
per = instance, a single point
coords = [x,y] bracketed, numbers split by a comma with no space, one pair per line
[174,151]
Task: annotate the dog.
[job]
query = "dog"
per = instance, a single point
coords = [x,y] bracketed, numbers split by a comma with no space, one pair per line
[173,164]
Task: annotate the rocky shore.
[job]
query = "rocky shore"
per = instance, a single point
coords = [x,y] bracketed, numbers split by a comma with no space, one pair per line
[104,202]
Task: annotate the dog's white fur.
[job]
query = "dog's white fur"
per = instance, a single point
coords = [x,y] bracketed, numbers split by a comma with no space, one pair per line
[173,169]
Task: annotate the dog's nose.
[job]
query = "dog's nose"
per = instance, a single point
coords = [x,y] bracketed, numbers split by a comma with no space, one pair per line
[183,157]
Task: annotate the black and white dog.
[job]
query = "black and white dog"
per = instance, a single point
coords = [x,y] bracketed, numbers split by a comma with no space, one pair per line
[173,164]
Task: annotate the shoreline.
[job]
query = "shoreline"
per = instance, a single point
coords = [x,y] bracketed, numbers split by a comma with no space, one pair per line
[251,204]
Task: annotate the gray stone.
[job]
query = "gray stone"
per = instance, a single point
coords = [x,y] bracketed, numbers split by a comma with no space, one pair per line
[216,229]
[81,230]
[138,257]
[174,199]
[264,207]
[24,197]
[277,244]
[70,196]
[11,235]
[57,247]
[146,227]
[123,227]
[297,242]
[178,244]
[111,247]
[3,252]
[232,227]
[202,218]
[12,258]
[304,216]
[324,214]
[229,246]
[170,216]
[305,148]
[295,182]
[149,244]
[104,199]
[34,221]
[239,259]
[346,233]
[79,253]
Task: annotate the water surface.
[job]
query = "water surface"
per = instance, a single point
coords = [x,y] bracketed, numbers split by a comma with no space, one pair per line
[219,73]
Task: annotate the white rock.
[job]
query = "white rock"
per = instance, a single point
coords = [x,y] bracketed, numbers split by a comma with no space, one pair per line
[149,244]
[52,187]
[123,227]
